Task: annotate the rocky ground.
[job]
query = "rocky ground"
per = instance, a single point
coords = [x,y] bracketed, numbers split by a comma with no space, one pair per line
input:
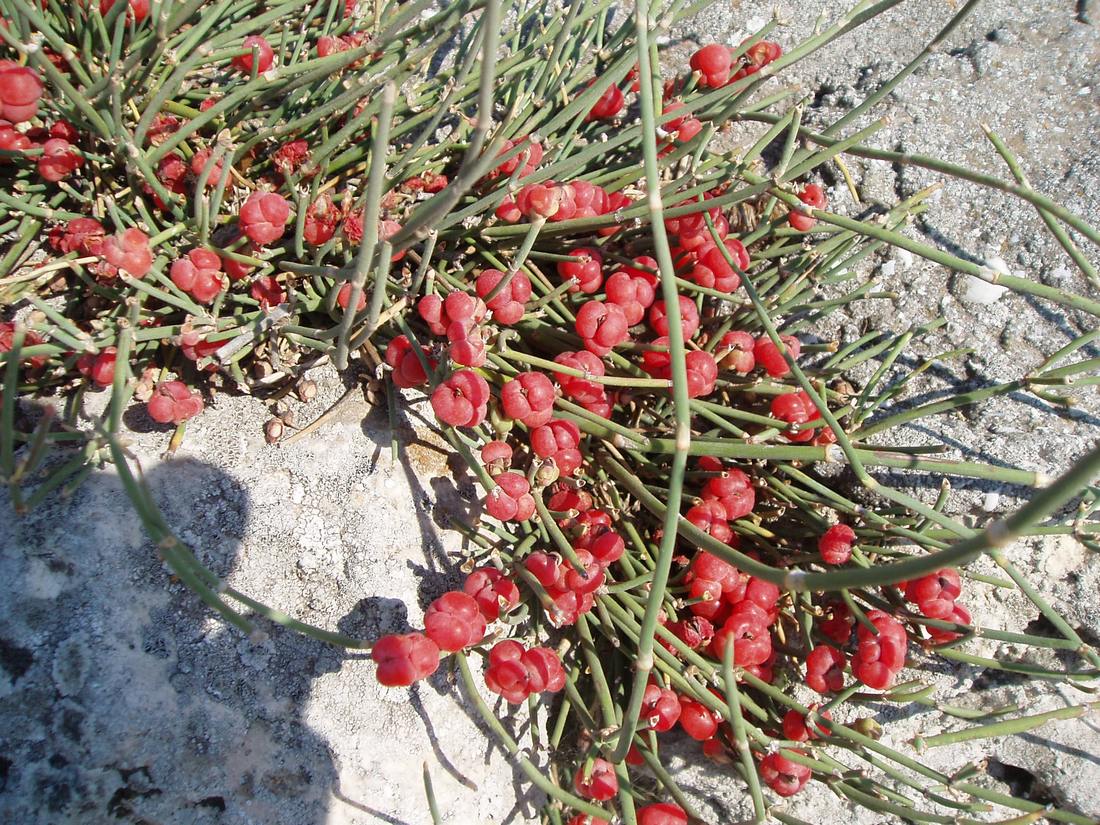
[122,699]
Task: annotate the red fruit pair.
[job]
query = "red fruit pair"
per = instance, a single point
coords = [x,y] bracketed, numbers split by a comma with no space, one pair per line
[734,490]
[814,197]
[494,592]
[713,63]
[258,55]
[609,104]
[595,534]
[689,317]
[509,304]
[633,289]
[768,356]
[510,499]
[710,517]
[796,729]
[558,440]
[127,251]
[935,593]
[782,775]
[530,157]
[715,272]
[462,400]
[880,657]
[660,708]
[752,642]
[58,160]
[602,326]
[453,316]
[20,89]
[825,669]
[199,274]
[797,408]
[263,217]
[515,673]
[577,388]
[586,272]
[407,369]
[835,546]
[454,621]
[405,659]
[528,398]
[173,402]
[596,780]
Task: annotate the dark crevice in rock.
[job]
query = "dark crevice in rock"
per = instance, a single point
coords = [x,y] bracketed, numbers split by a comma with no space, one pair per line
[14,659]
[1022,782]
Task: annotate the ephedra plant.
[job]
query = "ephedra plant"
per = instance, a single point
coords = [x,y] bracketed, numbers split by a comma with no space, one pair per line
[610,318]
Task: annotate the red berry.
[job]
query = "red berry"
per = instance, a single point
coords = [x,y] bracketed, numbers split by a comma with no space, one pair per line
[596,781]
[794,725]
[609,104]
[879,658]
[58,160]
[508,304]
[128,251]
[602,326]
[752,643]
[959,615]
[322,218]
[529,398]
[343,298]
[496,455]
[263,217]
[814,197]
[935,593]
[662,813]
[660,708]
[258,48]
[454,621]
[578,388]
[493,591]
[405,659]
[796,408]
[713,63]
[702,373]
[825,669]
[697,720]
[710,517]
[835,546]
[20,89]
[782,775]
[510,499]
